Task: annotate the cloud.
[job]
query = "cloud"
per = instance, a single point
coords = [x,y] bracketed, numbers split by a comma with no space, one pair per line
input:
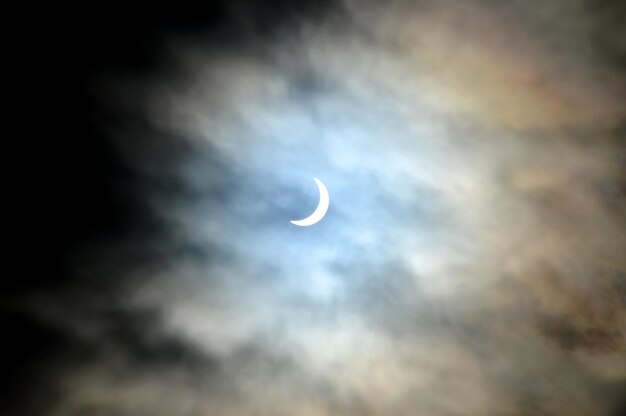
[471,261]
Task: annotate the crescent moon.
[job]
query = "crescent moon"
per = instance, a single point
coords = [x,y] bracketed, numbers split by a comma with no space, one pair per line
[321,209]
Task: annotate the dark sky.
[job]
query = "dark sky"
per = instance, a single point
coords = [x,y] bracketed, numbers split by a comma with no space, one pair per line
[471,262]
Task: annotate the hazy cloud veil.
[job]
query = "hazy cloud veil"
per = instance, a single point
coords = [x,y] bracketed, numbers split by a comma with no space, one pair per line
[472,259]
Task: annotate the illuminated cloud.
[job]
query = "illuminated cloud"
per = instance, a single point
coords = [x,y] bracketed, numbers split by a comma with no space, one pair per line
[471,261]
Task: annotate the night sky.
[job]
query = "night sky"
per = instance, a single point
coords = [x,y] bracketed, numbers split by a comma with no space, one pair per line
[472,261]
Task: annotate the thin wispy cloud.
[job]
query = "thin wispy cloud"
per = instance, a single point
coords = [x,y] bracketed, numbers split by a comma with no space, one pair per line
[471,261]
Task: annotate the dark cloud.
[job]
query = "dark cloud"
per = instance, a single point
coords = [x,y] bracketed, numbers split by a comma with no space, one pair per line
[471,261]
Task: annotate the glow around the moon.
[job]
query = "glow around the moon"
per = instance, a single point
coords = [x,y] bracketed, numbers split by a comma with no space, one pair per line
[321,209]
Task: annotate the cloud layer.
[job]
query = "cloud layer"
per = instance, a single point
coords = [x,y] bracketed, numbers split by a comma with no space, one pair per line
[471,262]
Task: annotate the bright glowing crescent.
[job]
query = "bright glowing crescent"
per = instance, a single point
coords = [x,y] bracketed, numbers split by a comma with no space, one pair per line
[321,209]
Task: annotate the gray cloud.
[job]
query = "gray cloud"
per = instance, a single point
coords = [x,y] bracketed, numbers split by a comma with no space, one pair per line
[471,261]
